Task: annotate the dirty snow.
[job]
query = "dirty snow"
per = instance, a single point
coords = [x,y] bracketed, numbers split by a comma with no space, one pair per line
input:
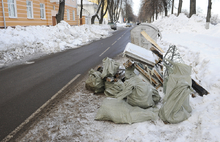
[73,118]
[19,43]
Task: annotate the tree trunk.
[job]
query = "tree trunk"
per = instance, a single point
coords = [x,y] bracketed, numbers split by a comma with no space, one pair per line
[93,19]
[61,11]
[101,14]
[156,9]
[110,11]
[172,6]
[96,14]
[103,11]
[81,12]
[165,6]
[180,6]
[101,20]
[208,17]
[192,7]
[152,18]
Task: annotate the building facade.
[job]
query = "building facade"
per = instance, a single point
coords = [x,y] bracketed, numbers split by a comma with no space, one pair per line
[35,12]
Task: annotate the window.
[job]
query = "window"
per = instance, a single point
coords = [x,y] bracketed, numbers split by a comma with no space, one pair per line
[42,11]
[68,14]
[53,7]
[73,15]
[29,9]
[12,8]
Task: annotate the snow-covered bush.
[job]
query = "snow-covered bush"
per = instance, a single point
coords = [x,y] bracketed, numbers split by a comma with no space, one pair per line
[215,19]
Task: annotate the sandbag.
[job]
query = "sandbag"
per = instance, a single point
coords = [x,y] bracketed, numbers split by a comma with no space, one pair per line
[110,67]
[176,106]
[119,111]
[139,93]
[113,88]
[129,72]
[95,82]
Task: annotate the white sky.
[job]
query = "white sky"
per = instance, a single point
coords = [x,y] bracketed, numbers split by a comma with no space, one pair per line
[136,6]
[200,4]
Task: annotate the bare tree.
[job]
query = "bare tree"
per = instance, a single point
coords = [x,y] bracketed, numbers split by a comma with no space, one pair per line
[172,6]
[166,4]
[104,9]
[96,14]
[114,9]
[192,7]
[128,12]
[103,5]
[61,11]
[208,17]
[81,9]
[151,8]
[180,6]
[145,12]
[157,7]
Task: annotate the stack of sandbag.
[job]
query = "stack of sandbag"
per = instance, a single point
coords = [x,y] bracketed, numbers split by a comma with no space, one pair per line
[176,106]
[131,101]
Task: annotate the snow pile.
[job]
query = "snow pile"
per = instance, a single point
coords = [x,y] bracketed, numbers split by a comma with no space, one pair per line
[199,47]
[73,119]
[23,41]
[121,24]
[182,24]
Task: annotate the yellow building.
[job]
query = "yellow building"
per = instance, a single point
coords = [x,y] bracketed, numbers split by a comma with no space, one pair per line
[35,12]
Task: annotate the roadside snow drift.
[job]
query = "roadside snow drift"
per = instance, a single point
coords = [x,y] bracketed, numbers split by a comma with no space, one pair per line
[19,42]
[73,119]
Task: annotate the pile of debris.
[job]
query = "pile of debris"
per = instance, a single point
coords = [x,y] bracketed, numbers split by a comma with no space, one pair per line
[131,98]
[132,90]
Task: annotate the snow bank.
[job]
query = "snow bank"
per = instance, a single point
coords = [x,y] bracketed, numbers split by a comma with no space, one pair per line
[121,24]
[199,47]
[181,24]
[23,41]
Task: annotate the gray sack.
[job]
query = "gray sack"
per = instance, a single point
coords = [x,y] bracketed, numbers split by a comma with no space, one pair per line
[119,111]
[176,106]
[110,67]
[95,82]
[113,88]
[139,93]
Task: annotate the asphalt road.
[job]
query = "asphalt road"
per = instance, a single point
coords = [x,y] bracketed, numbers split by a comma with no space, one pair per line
[24,88]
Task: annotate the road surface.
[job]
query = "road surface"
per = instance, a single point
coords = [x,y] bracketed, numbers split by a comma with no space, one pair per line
[24,88]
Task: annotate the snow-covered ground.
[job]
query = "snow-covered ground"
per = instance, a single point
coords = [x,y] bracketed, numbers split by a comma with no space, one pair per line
[121,24]
[73,118]
[19,44]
